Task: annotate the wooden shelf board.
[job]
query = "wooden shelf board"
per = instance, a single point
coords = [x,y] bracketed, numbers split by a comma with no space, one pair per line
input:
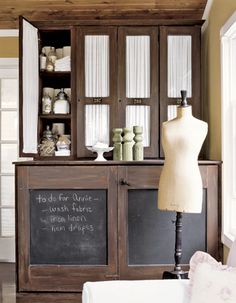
[55,74]
[55,116]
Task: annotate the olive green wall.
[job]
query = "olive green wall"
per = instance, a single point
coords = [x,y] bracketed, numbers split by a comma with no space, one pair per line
[220,11]
[9,47]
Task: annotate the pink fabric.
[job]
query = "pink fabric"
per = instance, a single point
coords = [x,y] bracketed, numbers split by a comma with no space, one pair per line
[200,257]
[210,281]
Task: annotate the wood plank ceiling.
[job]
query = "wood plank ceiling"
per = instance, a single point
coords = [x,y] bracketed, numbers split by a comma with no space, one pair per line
[42,10]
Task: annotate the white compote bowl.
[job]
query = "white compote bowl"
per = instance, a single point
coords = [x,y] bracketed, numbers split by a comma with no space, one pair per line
[100,150]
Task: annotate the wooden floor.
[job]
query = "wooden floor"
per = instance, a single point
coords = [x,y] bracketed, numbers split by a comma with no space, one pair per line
[7,282]
[8,290]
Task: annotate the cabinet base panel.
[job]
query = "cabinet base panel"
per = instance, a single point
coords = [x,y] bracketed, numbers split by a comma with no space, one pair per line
[48,297]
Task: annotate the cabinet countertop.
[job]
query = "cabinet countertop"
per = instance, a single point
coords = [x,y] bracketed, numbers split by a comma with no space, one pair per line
[91,162]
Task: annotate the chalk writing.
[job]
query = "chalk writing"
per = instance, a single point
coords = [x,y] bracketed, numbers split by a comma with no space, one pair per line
[61,197]
[64,208]
[68,226]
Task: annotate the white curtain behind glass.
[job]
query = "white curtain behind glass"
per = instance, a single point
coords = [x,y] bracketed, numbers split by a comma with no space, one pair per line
[96,66]
[139,115]
[171,112]
[30,87]
[179,65]
[138,66]
[96,124]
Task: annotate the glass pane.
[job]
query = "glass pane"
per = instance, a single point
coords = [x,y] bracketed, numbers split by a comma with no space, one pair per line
[97,66]
[139,115]
[7,190]
[8,155]
[138,66]
[8,222]
[9,93]
[232,217]
[96,124]
[9,131]
[231,71]
[179,65]
[171,111]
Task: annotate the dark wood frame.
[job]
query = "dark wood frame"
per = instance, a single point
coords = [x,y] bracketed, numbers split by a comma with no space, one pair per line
[71,117]
[147,177]
[152,150]
[62,278]
[195,101]
[145,174]
[118,29]
[117,179]
[72,74]
[142,19]
[82,100]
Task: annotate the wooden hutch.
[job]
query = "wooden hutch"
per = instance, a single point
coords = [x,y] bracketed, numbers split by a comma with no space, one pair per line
[80,220]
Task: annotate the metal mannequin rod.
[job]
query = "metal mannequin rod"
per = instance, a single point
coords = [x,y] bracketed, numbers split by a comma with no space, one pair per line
[178,241]
[177,273]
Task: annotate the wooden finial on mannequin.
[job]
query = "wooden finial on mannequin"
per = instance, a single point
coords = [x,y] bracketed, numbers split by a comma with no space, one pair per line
[184,102]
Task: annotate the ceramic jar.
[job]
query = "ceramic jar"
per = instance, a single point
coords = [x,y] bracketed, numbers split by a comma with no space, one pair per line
[61,104]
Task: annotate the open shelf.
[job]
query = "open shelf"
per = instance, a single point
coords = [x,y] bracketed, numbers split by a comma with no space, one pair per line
[55,116]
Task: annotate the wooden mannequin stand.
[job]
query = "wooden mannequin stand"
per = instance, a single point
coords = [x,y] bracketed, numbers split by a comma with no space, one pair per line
[177,273]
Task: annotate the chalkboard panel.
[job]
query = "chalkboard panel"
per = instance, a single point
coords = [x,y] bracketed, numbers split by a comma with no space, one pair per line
[68,227]
[151,232]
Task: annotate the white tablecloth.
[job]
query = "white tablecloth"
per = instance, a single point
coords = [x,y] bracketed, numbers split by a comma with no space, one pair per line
[143,291]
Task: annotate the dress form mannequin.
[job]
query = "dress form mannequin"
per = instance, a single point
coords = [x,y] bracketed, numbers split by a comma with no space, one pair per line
[180,186]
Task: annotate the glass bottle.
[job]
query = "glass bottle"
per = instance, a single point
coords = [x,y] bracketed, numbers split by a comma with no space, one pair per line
[52,55]
[47,134]
[47,146]
[50,65]
[46,104]
[43,60]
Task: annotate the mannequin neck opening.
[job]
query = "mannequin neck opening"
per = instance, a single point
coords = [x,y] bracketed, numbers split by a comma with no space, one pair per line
[184,111]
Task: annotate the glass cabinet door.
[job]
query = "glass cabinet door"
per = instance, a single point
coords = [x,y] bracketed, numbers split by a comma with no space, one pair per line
[138,83]
[29,94]
[96,87]
[179,69]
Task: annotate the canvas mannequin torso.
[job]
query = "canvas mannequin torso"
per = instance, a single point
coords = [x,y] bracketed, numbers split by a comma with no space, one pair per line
[180,186]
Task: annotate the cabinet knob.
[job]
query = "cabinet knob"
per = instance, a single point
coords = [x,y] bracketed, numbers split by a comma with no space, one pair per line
[124,182]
